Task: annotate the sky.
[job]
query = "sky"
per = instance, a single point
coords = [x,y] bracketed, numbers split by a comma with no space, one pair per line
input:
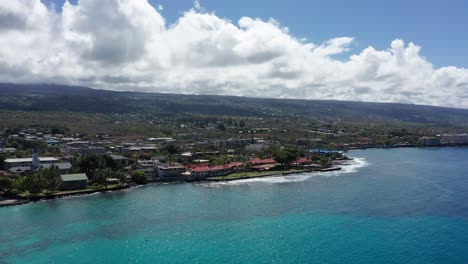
[386,51]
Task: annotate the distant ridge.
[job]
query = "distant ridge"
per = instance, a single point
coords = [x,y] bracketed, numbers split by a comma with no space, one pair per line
[52,97]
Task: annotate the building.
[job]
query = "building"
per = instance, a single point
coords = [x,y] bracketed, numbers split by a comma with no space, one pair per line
[121,160]
[263,164]
[232,142]
[28,162]
[171,173]
[256,147]
[454,139]
[203,172]
[52,142]
[303,162]
[429,141]
[63,167]
[71,182]
[7,150]
[86,150]
[325,152]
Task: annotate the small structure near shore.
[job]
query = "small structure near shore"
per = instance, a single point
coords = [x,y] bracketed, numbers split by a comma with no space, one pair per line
[71,182]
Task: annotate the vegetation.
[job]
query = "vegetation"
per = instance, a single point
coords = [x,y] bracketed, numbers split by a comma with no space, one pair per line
[139,177]
[287,155]
[43,180]
[73,99]
[5,184]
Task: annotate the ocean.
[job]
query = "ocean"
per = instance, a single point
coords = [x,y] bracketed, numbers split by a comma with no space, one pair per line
[389,206]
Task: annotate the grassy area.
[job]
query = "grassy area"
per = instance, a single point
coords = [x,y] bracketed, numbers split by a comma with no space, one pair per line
[255,174]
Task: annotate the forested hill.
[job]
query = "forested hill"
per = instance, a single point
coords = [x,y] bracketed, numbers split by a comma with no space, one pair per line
[41,97]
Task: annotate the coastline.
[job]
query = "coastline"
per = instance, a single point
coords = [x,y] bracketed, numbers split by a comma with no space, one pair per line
[32,199]
[22,201]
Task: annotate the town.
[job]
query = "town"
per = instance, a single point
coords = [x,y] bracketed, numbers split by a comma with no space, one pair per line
[46,163]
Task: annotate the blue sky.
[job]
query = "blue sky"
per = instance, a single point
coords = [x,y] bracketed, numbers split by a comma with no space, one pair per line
[439,27]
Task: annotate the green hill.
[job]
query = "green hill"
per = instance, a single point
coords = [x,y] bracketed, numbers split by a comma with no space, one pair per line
[44,97]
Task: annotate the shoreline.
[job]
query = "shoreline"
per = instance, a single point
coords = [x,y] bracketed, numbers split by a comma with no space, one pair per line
[33,199]
[23,201]
[409,146]
[15,201]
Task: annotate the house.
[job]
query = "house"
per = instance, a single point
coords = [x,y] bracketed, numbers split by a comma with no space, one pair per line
[121,160]
[71,182]
[52,142]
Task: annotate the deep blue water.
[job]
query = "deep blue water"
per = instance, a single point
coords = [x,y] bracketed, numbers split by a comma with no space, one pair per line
[392,206]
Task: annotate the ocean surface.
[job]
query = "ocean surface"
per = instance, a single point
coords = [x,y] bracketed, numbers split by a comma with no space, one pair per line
[389,206]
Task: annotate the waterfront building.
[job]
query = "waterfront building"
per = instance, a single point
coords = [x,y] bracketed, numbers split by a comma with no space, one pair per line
[429,141]
[170,172]
[71,182]
[325,152]
[454,139]
[203,172]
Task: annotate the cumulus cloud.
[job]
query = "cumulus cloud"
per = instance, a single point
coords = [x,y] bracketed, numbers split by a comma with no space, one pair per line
[127,45]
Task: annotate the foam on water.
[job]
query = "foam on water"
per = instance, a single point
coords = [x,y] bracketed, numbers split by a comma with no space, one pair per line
[351,166]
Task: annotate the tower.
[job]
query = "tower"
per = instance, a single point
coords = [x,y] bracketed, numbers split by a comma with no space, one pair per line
[35,161]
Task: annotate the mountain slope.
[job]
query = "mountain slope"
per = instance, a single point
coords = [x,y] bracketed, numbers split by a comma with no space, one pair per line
[42,97]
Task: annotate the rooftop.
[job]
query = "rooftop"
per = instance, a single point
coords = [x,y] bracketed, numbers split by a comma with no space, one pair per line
[42,159]
[74,177]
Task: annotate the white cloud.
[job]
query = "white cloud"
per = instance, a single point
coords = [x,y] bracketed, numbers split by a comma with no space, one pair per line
[196,4]
[127,45]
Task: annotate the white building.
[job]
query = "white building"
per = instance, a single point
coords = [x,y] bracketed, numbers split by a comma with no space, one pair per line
[28,162]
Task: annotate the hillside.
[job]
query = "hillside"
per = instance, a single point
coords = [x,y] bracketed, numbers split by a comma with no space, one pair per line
[43,97]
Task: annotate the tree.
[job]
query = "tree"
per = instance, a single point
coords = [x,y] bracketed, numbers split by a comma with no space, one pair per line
[221,127]
[172,149]
[5,184]
[2,162]
[102,176]
[139,177]
[19,185]
[88,164]
[222,160]
[34,183]
[121,176]
[325,162]
[51,178]
[286,155]
[242,123]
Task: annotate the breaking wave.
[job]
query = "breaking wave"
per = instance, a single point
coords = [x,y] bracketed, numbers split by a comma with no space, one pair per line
[351,166]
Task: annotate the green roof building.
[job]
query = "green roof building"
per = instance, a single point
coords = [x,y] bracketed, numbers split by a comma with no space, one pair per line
[72,182]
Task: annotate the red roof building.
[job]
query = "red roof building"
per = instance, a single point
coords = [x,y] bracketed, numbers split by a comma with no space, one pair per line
[258,161]
[303,161]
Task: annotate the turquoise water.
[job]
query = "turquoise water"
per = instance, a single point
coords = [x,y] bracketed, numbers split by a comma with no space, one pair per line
[390,206]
